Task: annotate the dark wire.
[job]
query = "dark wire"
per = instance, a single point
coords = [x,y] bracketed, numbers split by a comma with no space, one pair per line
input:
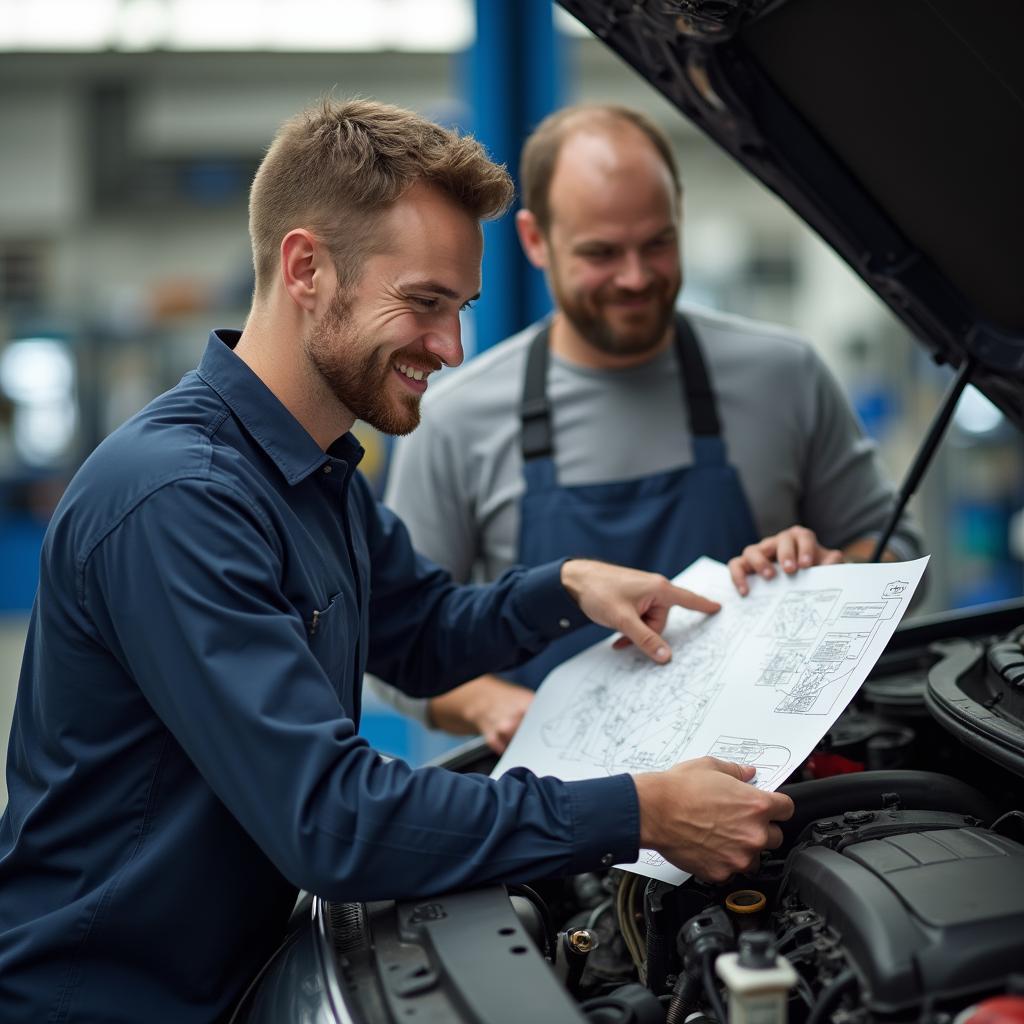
[550,938]
[711,989]
[826,1003]
[803,989]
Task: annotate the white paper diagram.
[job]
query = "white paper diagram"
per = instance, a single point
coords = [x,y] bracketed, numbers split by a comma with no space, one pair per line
[815,653]
[625,718]
[758,683]
[770,760]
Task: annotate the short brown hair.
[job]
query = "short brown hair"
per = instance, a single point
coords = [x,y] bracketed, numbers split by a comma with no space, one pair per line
[336,166]
[540,152]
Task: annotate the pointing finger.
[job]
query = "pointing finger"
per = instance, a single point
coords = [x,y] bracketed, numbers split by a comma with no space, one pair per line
[646,639]
[695,602]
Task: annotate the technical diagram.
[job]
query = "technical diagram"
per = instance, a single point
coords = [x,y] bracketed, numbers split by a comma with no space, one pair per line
[770,759]
[629,718]
[759,683]
[800,615]
[815,655]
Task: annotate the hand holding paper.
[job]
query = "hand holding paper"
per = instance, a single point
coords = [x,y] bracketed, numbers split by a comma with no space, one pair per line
[757,684]
[703,817]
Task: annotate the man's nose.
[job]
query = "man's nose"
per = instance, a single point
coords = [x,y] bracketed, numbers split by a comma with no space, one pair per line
[633,273]
[445,341]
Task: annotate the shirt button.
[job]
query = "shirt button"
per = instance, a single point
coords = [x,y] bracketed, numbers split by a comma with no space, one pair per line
[327,468]
[564,623]
[608,859]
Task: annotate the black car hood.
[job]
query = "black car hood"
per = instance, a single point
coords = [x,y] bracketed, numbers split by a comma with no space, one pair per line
[894,129]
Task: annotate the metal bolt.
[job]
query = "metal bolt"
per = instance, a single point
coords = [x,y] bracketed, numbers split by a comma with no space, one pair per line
[582,940]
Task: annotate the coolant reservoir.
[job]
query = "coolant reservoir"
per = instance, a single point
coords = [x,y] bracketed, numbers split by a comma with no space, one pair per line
[757,979]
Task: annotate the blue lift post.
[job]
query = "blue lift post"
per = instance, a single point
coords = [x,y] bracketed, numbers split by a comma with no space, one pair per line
[515,79]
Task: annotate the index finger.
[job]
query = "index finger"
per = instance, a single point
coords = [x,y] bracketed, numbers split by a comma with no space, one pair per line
[695,602]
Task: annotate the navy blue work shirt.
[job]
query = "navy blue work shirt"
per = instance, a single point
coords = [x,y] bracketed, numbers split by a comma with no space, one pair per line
[184,753]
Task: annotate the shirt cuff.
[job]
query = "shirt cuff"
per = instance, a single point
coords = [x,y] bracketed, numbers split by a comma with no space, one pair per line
[544,603]
[605,823]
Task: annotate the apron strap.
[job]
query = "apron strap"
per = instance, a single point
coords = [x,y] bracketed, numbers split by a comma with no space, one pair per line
[696,385]
[535,410]
[536,436]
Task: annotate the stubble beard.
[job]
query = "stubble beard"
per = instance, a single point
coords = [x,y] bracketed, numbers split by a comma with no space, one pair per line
[361,383]
[586,315]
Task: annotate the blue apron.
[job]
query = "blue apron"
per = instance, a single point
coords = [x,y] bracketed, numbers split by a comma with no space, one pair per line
[660,523]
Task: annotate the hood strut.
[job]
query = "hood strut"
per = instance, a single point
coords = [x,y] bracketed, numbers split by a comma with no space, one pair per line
[927,450]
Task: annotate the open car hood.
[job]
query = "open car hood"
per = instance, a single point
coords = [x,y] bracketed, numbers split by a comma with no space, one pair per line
[895,130]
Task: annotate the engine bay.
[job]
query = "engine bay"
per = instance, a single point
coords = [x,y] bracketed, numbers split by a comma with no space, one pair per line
[898,894]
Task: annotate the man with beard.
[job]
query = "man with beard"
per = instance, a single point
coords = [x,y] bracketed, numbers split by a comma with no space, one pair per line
[184,753]
[622,429]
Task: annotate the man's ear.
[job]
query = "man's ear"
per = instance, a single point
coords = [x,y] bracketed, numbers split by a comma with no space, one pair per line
[302,269]
[532,239]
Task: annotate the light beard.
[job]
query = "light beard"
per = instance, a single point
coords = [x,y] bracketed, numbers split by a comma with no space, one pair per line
[593,326]
[359,382]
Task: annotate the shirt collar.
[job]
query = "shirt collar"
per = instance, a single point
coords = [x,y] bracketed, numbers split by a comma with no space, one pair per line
[258,409]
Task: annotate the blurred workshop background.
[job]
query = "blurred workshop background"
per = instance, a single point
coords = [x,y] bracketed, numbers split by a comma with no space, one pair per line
[129,132]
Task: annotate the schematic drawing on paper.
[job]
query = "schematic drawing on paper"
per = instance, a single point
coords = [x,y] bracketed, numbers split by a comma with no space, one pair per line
[759,683]
[648,724]
[815,648]
[815,642]
[771,760]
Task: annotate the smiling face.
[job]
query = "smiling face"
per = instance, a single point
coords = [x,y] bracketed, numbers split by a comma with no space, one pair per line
[378,342]
[611,251]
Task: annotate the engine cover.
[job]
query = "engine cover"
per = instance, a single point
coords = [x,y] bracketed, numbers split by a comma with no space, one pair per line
[931,907]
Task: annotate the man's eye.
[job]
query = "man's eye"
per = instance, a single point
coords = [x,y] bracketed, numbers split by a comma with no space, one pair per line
[424,302]
[468,304]
[597,254]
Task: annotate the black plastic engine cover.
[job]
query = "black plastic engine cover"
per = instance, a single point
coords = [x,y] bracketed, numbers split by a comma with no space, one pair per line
[928,911]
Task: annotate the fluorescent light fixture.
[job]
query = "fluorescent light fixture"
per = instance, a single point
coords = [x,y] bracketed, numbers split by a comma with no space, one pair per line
[36,370]
[141,25]
[81,25]
[43,432]
[437,26]
[38,376]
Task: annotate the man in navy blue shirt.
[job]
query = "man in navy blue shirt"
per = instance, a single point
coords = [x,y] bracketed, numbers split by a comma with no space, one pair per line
[184,755]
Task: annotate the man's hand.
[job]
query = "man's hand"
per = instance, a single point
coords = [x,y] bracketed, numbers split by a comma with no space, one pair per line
[793,549]
[486,706]
[707,819]
[633,602]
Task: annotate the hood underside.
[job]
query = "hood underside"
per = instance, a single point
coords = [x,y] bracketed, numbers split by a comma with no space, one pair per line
[895,130]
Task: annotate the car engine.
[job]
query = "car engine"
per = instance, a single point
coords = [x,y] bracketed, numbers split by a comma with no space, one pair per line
[896,896]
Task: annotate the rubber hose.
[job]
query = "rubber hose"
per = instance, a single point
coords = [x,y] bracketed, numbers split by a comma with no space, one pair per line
[863,791]
[828,999]
[684,996]
[659,948]
[711,988]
